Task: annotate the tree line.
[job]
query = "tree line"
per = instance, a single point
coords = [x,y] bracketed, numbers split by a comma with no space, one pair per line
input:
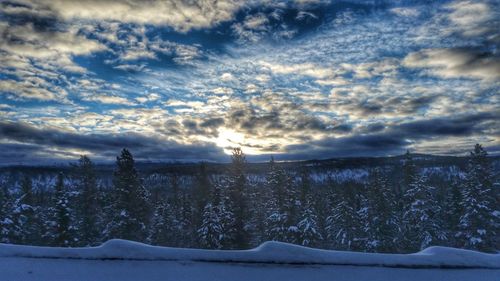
[234,212]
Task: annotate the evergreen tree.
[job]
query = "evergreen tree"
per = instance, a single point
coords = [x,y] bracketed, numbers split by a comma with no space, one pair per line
[164,226]
[201,195]
[410,171]
[88,207]
[453,211]
[25,228]
[344,222]
[179,213]
[237,183]
[305,187]
[6,219]
[378,213]
[309,234]
[422,226]
[282,206]
[185,219]
[130,207]
[220,201]
[480,222]
[211,234]
[60,232]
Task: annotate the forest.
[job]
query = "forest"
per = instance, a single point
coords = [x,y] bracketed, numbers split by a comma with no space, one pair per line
[396,211]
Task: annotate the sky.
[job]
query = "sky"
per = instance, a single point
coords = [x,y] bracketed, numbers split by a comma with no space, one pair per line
[182,80]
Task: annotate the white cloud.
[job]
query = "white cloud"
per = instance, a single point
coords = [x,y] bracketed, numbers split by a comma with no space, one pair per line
[130,67]
[148,98]
[304,69]
[223,91]
[455,63]
[473,18]
[180,15]
[33,88]
[189,104]
[108,99]
[226,77]
[406,12]
[26,41]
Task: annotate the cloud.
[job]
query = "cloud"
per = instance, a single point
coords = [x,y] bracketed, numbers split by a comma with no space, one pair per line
[32,88]
[472,18]
[107,99]
[104,146]
[349,146]
[256,27]
[37,62]
[447,126]
[305,69]
[456,63]
[461,23]
[148,98]
[28,41]
[405,11]
[131,67]
[394,140]
[178,14]
[272,76]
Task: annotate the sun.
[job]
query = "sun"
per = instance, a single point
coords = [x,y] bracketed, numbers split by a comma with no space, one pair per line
[229,139]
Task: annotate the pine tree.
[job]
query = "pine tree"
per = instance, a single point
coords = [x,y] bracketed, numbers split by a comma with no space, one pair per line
[130,207]
[61,231]
[164,226]
[237,205]
[201,195]
[25,228]
[6,219]
[344,222]
[309,233]
[453,211]
[480,222]
[421,216]
[185,219]
[305,187]
[378,213]
[410,171]
[88,207]
[179,210]
[282,207]
[211,234]
[220,201]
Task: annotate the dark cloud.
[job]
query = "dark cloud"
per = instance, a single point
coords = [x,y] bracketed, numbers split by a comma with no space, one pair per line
[286,117]
[105,146]
[372,128]
[357,145]
[212,123]
[446,126]
[370,108]
[394,140]
[21,13]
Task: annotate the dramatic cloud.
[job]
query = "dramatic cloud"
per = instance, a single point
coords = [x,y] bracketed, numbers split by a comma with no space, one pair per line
[295,79]
[100,145]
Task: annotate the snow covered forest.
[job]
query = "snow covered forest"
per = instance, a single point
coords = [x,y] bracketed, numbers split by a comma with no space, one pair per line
[394,210]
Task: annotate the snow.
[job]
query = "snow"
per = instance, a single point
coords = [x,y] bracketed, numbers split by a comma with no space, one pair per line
[126,260]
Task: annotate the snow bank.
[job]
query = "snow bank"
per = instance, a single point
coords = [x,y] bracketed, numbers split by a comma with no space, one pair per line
[269,252]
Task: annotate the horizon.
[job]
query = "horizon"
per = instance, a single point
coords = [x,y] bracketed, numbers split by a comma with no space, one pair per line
[297,80]
[253,160]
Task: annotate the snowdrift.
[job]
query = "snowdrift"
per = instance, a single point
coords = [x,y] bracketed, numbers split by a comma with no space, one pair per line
[269,252]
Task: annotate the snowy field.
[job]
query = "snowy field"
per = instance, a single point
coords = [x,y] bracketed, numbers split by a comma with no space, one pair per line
[124,260]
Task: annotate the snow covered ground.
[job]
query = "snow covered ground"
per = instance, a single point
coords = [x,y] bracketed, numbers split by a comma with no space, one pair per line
[124,260]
